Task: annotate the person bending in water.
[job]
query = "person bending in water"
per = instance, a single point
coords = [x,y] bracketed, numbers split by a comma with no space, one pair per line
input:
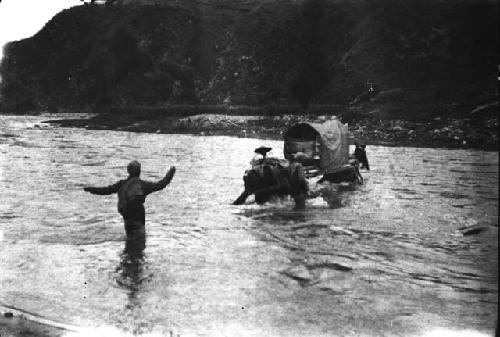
[132,193]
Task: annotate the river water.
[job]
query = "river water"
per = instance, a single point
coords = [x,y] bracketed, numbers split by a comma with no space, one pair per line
[388,258]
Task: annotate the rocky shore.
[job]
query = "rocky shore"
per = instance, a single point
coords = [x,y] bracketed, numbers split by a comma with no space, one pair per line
[475,132]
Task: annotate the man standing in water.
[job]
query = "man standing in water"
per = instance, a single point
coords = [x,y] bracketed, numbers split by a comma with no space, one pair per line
[132,193]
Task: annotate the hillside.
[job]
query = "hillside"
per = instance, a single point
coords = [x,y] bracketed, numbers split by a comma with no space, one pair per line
[421,57]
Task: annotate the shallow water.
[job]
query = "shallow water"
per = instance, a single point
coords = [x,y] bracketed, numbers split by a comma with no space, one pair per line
[388,258]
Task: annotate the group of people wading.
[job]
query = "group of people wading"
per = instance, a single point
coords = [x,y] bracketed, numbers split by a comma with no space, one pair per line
[272,179]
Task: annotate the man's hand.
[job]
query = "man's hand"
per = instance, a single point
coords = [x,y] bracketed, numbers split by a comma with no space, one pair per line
[170,173]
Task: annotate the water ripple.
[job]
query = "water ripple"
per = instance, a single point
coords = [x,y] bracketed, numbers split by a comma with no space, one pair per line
[400,248]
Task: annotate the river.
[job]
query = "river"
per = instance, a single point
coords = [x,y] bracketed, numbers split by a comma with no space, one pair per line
[388,258]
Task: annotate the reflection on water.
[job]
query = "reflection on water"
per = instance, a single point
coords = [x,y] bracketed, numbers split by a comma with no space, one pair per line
[131,266]
[412,250]
[337,195]
[131,276]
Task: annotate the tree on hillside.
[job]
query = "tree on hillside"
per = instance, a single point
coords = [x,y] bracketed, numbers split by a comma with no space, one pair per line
[18,89]
[124,46]
[313,70]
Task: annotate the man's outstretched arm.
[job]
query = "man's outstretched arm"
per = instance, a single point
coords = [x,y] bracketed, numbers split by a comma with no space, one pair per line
[150,187]
[103,190]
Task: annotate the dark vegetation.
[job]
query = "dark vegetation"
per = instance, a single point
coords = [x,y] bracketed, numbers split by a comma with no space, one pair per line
[313,72]
[414,60]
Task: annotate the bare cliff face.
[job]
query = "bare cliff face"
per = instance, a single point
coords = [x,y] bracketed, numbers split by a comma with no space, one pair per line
[404,55]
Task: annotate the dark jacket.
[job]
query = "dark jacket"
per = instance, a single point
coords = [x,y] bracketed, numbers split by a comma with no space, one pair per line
[132,208]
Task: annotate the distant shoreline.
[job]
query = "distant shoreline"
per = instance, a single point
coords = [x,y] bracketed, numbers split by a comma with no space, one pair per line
[456,133]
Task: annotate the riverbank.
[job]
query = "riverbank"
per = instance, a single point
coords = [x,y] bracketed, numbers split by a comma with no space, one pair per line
[16,323]
[477,132]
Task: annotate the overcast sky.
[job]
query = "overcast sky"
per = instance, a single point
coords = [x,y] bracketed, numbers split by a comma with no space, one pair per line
[23,18]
